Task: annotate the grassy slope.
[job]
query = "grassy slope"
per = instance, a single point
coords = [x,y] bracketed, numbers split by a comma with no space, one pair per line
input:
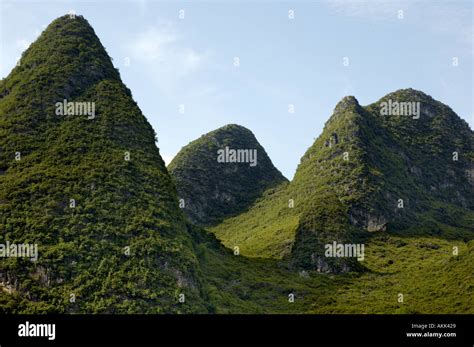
[272,222]
[423,269]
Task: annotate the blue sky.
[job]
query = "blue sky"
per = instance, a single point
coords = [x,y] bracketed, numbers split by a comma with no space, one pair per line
[283,61]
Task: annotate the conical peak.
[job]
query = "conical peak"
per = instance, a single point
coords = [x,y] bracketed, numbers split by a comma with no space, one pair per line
[231,128]
[68,19]
[408,94]
[108,165]
[222,173]
[232,134]
[422,106]
[65,35]
[348,103]
[67,52]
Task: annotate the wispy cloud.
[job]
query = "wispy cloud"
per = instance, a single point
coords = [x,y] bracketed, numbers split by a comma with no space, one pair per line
[22,44]
[152,44]
[454,20]
[164,51]
[449,18]
[373,9]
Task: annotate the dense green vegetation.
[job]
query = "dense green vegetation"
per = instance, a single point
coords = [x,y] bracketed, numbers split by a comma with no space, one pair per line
[408,250]
[422,269]
[212,190]
[120,204]
[350,180]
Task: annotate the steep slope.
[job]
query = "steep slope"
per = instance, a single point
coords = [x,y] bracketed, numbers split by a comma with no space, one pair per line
[367,172]
[91,190]
[221,174]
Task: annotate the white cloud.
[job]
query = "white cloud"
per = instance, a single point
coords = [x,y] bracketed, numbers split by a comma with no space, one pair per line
[22,44]
[152,45]
[450,18]
[373,9]
[454,20]
[163,50]
[190,59]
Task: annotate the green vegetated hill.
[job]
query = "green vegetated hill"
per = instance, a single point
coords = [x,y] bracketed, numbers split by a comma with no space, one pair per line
[222,173]
[92,192]
[366,173]
[418,250]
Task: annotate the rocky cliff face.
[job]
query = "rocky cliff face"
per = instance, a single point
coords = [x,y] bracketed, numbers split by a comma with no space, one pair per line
[221,174]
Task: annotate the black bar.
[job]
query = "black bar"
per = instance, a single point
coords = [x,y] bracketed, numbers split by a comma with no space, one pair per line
[240,329]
